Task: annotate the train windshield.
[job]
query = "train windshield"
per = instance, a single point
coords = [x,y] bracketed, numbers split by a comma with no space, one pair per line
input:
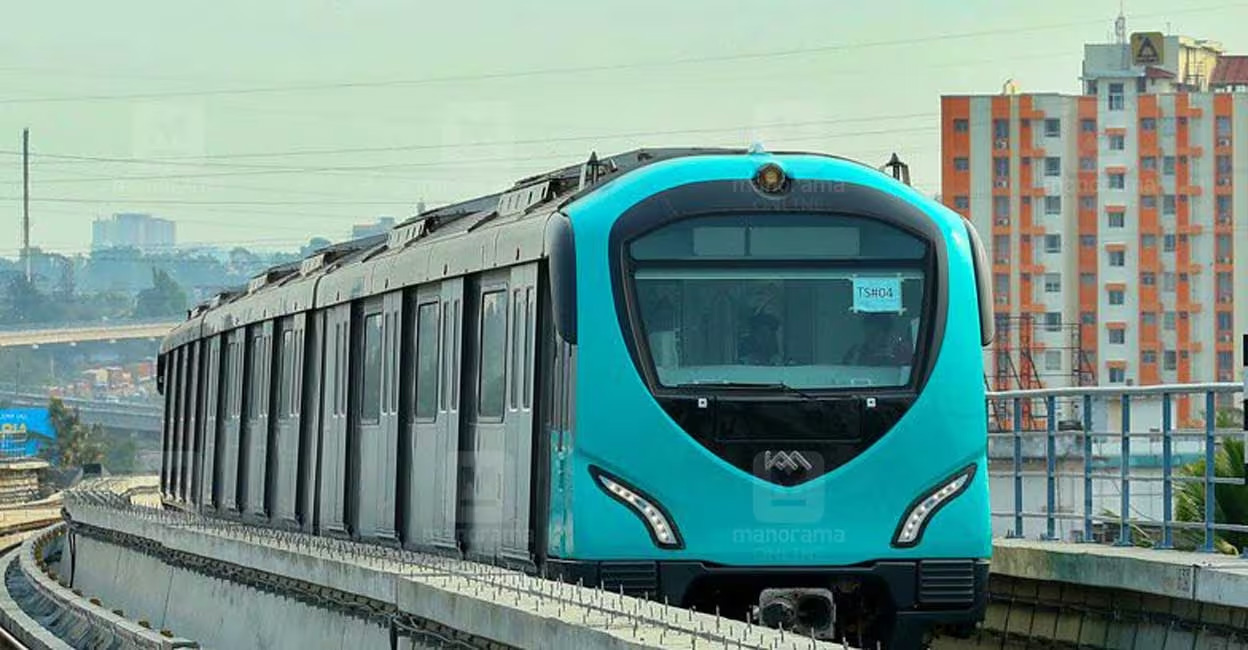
[799,302]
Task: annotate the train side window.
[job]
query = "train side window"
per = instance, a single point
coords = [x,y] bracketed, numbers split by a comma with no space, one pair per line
[456,330]
[427,361]
[516,349]
[530,329]
[285,378]
[370,384]
[256,407]
[492,363]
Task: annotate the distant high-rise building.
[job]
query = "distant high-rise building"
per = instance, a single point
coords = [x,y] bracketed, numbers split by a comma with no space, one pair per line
[382,225]
[131,230]
[1110,217]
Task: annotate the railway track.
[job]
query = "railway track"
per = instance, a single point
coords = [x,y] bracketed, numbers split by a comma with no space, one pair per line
[11,536]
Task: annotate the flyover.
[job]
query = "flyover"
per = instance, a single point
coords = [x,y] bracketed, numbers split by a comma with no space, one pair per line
[70,334]
[139,417]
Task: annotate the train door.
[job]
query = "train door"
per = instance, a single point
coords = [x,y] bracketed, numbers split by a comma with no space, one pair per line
[331,508]
[423,462]
[518,424]
[190,409]
[309,332]
[445,531]
[256,424]
[232,391]
[179,422]
[209,486]
[483,449]
[372,453]
[284,452]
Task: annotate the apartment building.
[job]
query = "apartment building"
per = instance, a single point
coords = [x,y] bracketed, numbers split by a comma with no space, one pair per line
[1112,218]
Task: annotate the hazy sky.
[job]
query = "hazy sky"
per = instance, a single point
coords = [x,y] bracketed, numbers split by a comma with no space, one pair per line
[267,123]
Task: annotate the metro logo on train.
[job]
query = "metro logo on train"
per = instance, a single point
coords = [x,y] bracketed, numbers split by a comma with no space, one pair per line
[636,372]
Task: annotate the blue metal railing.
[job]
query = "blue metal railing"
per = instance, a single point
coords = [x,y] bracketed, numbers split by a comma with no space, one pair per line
[1098,406]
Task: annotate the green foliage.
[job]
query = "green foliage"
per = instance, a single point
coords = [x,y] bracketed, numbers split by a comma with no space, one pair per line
[1230,504]
[76,442]
[163,298]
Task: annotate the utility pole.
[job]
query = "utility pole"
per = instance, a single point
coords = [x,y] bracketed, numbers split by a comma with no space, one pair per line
[26,200]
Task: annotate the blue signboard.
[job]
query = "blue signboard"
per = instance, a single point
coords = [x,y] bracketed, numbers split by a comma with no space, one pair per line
[23,431]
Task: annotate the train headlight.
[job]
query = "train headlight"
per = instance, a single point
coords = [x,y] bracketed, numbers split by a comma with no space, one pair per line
[910,528]
[659,524]
[771,179]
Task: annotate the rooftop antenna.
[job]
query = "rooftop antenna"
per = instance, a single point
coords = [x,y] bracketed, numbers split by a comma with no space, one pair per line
[900,170]
[1120,23]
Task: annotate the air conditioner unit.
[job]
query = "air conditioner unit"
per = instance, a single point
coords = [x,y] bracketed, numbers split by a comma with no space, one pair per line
[1224,181]
[1002,182]
[1224,142]
[1003,143]
[1003,221]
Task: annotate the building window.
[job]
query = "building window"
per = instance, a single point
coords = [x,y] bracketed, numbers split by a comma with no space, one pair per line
[1148,124]
[1167,242]
[1052,166]
[1148,163]
[1223,125]
[1167,281]
[1224,164]
[1167,165]
[1149,318]
[961,164]
[1052,205]
[1225,361]
[1148,241]
[1087,202]
[1001,168]
[1223,247]
[1117,219]
[1052,282]
[1117,375]
[1148,201]
[1117,142]
[1087,240]
[961,203]
[1052,127]
[1225,320]
[1148,278]
[1087,163]
[1001,129]
[1001,284]
[1053,360]
[1148,356]
[1087,317]
[1167,204]
[1053,321]
[1167,320]
[1001,206]
[1117,181]
[1115,97]
[1117,258]
[1115,296]
[1052,243]
[1088,125]
[1169,360]
[1141,85]
[1087,278]
[1224,207]
[961,125]
[1117,336]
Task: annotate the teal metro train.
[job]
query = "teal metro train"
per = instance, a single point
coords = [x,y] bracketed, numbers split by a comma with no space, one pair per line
[733,380]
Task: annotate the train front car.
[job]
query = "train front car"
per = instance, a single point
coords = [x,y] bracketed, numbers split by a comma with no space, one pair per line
[778,406]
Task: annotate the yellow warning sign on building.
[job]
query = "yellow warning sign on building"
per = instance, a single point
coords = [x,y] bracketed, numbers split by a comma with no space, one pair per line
[1147,48]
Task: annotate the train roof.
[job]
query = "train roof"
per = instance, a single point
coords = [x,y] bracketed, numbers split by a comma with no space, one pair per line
[442,242]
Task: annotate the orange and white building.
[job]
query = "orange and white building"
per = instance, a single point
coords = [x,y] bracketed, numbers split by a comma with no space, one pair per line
[1112,219]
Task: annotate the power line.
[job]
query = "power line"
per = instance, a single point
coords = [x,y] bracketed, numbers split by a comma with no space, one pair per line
[187,160]
[615,67]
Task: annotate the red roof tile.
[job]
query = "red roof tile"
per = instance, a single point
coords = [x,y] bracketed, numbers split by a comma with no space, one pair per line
[1230,70]
[1153,72]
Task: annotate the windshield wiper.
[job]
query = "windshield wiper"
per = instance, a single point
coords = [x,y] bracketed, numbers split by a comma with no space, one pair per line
[773,385]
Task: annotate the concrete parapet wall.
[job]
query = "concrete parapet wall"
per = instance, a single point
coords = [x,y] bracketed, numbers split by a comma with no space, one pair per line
[234,586]
[1093,596]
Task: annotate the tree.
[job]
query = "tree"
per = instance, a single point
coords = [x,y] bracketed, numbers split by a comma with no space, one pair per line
[1230,504]
[163,298]
[76,443]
